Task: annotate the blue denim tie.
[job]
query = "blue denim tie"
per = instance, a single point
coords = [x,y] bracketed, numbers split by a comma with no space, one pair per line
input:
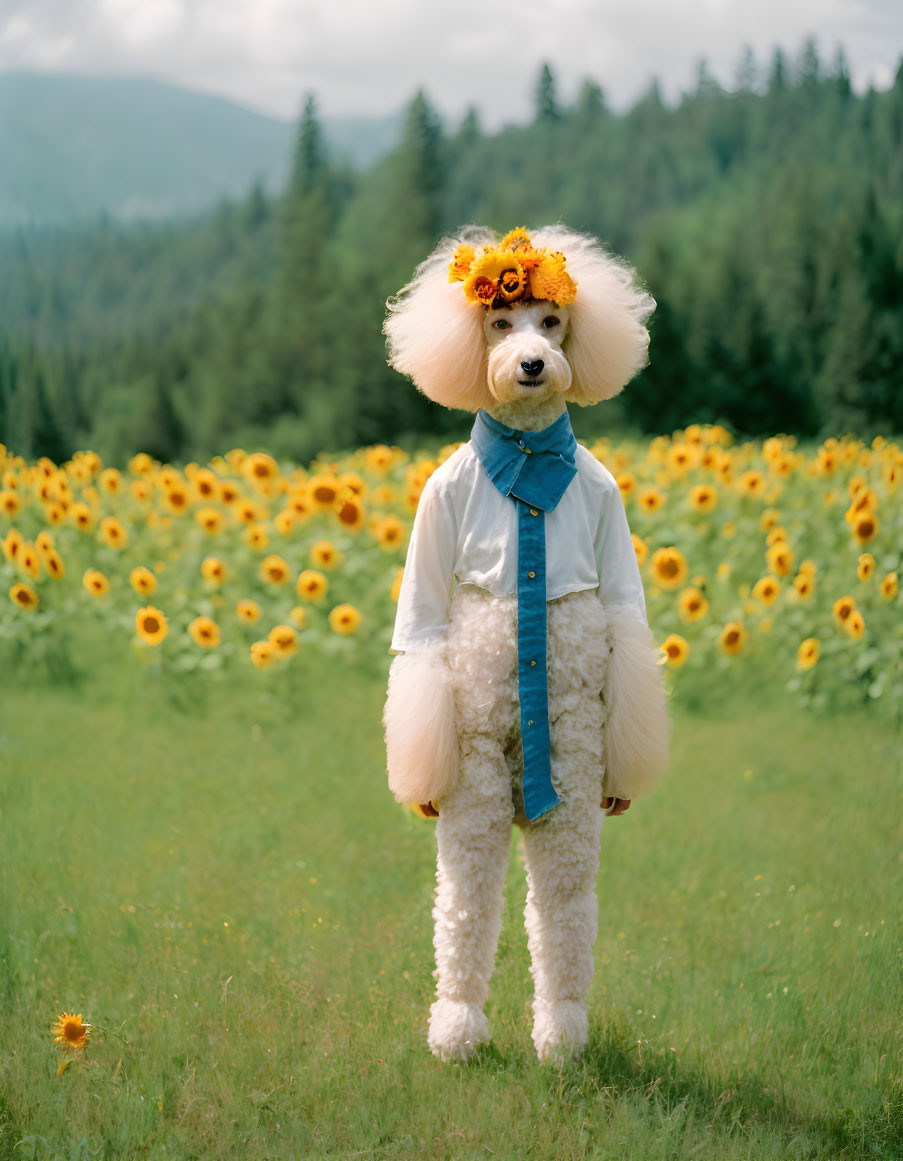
[533,468]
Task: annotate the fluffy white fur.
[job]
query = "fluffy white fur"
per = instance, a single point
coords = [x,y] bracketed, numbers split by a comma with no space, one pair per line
[436,336]
[452,716]
[637,730]
[419,721]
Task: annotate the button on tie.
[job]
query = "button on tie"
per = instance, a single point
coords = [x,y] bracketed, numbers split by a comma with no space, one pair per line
[534,511]
[531,574]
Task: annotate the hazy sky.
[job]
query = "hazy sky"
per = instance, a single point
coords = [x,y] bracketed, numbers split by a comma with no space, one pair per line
[370,56]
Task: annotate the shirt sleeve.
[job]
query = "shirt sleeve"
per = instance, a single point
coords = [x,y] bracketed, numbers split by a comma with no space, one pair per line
[423,598]
[619,572]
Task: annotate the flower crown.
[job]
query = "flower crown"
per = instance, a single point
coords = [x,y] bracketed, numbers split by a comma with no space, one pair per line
[513,271]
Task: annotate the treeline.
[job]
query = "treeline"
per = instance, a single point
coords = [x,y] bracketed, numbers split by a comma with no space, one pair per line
[766,221]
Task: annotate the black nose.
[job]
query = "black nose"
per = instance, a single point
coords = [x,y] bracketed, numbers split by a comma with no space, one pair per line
[533,369]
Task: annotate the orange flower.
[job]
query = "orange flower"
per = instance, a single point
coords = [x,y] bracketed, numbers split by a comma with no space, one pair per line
[284,640]
[263,654]
[70,1032]
[676,650]
[143,580]
[24,596]
[669,569]
[312,585]
[204,632]
[692,604]
[274,570]
[96,583]
[151,625]
[704,497]
[248,610]
[808,653]
[344,619]
[733,637]
[640,547]
[889,586]
[325,554]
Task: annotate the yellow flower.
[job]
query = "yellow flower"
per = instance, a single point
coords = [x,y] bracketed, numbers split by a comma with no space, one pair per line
[843,609]
[210,519]
[461,262]
[379,457]
[752,483]
[151,625]
[495,277]
[204,632]
[324,554]
[176,498]
[854,624]
[96,583]
[389,533]
[808,653]
[865,526]
[274,570]
[214,570]
[676,650]
[206,485]
[350,512]
[889,586]
[323,490]
[29,560]
[396,585]
[9,503]
[866,566]
[703,497]
[70,1032]
[24,596]
[344,619]
[245,510]
[111,481]
[516,239]
[53,562]
[248,610]
[804,583]
[298,616]
[732,638]
[766,589]
[807,567]
[311,585]
[691,605]
[550,280]
[651,499]
[263,654]
[255,536]
[261,470]
[669,569]
[284,640]
[779,558]
[626,483]
[284,521]
[640,547]
[143,580]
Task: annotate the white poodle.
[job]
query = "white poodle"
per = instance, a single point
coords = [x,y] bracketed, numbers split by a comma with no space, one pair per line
[476,730]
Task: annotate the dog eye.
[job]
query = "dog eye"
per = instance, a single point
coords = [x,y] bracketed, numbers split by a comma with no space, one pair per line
[551,320]
[501,324]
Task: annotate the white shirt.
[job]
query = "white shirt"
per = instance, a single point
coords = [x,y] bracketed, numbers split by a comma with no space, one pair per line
[466,529]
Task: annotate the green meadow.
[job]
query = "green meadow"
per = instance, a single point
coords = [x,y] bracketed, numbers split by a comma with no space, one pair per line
[214,873]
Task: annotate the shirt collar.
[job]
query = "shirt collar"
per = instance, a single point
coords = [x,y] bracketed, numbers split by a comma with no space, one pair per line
[533,466]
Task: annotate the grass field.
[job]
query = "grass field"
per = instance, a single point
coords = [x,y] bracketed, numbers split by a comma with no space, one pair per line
[231,888]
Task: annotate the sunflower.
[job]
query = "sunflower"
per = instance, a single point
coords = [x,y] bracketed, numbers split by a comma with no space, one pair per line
[111,481]
[311,585]
[389,533]
[640,547]
[323,490]
[284,521]
[650,498]
[866,566]
[9,503]
[692,604]
[274,570]
[298,617]
[669,569]
[344,619]
[732,638]
[751,483]
[766,589]
[804,584]
[865,526]
[350,512]
[676,650]
[256,537]
[206,485]
[12,544]
[324,554]
[53,562]
[151,625]
[843,609]
[245,510]
[263,654]
[808,653]
[204,632]
[24,597]
[379,457]
[96,583]
[29,560]
[214,570]
[284,640]
[142,581]
[461,262]
[780,558]
[70,1032]
[210,519]
[703,497]
[516,239]
[260,470]
[141,464]
[248,610]
[112,533]
[855,624]
[495,278]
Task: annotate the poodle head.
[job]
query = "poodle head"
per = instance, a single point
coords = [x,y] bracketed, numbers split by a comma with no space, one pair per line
[464,354]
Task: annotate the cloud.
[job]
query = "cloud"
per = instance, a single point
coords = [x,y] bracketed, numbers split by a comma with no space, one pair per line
[361,57]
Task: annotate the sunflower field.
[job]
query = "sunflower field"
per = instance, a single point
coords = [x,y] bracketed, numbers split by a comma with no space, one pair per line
[763,562]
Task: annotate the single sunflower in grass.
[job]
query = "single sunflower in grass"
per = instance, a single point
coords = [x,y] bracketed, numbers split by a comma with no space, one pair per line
[70,1031]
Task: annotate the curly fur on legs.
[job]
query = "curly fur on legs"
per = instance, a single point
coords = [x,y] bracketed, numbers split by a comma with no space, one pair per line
[473,834]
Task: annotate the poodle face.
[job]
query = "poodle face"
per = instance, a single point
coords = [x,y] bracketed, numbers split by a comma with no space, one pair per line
[526,359]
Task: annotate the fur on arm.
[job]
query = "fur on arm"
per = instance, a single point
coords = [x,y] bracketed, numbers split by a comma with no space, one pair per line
[637,728]
[419,721]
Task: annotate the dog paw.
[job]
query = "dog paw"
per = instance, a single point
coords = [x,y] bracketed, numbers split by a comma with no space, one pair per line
[457,1029]
[560,1029]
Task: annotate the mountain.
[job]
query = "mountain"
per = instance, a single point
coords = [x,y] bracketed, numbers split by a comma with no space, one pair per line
[72,147]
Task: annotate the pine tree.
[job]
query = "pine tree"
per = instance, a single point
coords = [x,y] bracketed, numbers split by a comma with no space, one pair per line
[547,109]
